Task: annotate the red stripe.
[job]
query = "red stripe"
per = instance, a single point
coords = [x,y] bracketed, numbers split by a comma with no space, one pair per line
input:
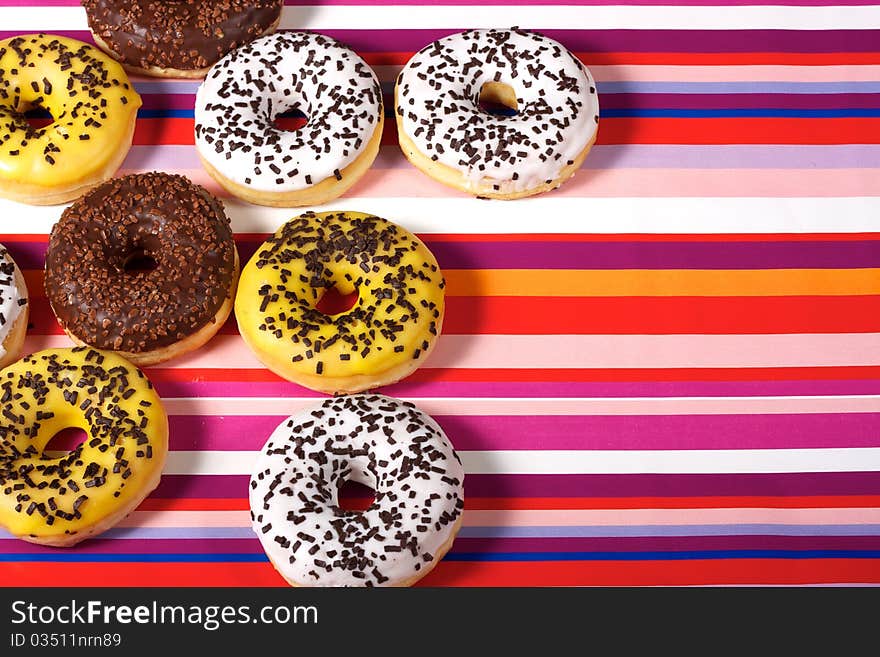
[541,503]
[611,58]
[661,315]
[630,375]
[633,131]
[449,573]
[628,315]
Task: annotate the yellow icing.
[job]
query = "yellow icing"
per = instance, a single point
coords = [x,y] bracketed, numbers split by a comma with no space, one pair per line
[289,335]
[106,387]
[84,86]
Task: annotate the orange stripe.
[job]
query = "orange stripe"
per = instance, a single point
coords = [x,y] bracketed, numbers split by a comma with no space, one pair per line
[660,282]
[543,503]
[633,131]
[451,573]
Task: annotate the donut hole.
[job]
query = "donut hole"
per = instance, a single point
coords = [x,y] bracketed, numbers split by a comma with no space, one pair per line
[498,99]
[139,260]
[290,121]
[334,302]
[355,496]
[64,442]
[36,118]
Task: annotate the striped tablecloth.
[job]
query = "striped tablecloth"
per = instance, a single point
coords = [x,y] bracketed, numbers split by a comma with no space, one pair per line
[667,372]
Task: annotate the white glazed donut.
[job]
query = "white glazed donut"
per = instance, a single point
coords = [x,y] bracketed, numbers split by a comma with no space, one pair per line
[246,90]
[13,309]
[443,131]
[385,443]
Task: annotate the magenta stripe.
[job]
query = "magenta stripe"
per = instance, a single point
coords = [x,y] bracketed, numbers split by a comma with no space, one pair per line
[796,41]
[540,389]
[574,432]
[603,255]
[580,485]
[495,544]
[462,3]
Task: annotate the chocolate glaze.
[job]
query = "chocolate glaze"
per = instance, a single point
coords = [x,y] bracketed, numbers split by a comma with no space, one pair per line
[165,217]
[179,35]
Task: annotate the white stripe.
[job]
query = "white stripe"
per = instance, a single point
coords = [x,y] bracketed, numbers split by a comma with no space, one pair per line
[583,351]
[223,406]
[550,214]
[716,461]
[392,17]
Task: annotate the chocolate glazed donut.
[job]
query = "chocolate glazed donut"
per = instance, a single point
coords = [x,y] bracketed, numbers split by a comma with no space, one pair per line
[177,39]
[143,265]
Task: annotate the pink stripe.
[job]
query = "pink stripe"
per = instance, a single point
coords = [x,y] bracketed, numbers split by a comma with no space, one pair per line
[586,351]
[558,518]
[408,182]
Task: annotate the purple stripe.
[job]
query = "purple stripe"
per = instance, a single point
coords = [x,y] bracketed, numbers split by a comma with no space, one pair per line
[739,101]
[603,255]
[649,101]
[582,485]
[644,255]
[496,544]
[539,389]
[578,432]
[796,41]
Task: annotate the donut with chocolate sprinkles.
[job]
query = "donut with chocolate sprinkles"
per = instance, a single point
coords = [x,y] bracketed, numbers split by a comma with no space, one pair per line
[91,109]
[387,333]
[236,106]
[59,499]
[13,309]
[177,39]
[537,143]
[144,265]
[388,444]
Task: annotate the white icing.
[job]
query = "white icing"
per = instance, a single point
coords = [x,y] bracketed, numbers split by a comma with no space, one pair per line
[244,92]
[385,443]
[9,297]
[558,109]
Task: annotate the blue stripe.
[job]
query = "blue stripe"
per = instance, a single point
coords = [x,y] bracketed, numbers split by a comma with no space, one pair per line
[463,556]
[636,113]
[743,112]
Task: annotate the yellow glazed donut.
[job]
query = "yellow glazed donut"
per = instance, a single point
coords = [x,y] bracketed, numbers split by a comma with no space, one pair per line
[389,331]
[60,501]
[93,107]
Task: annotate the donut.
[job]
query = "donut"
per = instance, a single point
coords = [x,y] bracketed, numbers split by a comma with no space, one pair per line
[93,108]
[387,444]
[143,265]
[443,131]
[245,91]
[13,309]
[59,500]
[177,39]
[387,334]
